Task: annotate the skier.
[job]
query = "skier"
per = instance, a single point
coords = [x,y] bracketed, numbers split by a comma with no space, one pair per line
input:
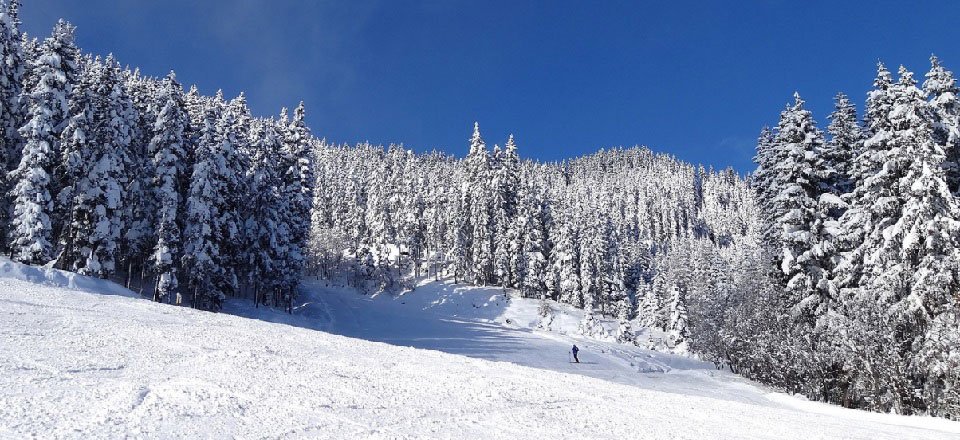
[575,350]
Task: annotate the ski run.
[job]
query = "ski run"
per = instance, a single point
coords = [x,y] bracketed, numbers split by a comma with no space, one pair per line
[84,358]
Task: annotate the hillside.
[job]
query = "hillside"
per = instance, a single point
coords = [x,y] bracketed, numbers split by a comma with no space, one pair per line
[86,365]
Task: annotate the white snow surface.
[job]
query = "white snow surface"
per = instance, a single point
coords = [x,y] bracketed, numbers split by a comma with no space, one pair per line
[77,364]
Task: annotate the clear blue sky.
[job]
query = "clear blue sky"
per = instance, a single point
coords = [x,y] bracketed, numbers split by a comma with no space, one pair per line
[696,79]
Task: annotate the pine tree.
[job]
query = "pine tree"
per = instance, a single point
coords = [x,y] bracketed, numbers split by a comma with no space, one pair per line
[77,146]
[911,258]
[168,154]
[48,111]
[805,177]
[62,39]
[201,254]
[846,138]
[565,264]
[12,97]
[530,259]
[106,179]
[679,332]
[506,182]
[139,219]
[477,229]
[262,223]
[12,109]
[297,180]
[941,87]
[870,185]
[232,131]
[766,186]
[649,304]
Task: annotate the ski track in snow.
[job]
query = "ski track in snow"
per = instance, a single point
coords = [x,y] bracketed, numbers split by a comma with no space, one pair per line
[84,365]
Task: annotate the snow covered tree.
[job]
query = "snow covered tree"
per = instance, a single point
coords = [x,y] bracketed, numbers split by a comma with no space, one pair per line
[846,137]
[232,131]
[76,146]
[103,188]
[591,327]
[261,227]
[297,186]
[870,185]
[508,241]
[530,260]
[12,109]
[168,154]
[766,185]
[201,253]
[911,255]
[805,263]
[476,229]
[139,220]
[48,111]
[565,267]
[941,87]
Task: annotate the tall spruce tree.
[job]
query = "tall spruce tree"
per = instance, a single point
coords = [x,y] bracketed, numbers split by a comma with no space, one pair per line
[107,176]
[845,141]
[941,88]
[261,227]
[48,112]
[76,147]
[804,178]
[201,253]
[298,180]
[870,185]
[167,152]
[12,109]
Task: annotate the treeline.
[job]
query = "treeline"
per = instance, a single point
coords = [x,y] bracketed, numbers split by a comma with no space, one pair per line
[623,232]
[113,174]
[862,230]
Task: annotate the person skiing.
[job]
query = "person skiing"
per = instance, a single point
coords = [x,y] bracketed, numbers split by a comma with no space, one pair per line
[575,350]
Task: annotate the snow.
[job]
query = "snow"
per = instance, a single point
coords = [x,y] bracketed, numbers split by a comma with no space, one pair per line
[48,276]
[84,365]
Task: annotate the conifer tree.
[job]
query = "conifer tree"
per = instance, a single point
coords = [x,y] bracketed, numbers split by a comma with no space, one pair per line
[139,219]
[168,154]
[48,111]
[232,127]
[846,137]
[478,226]
[766,185]
[297,180]
[678,318]
[870,185]
[565,266]
[104,185]
[941,88]
[201,253]
[76,145]
[911,263]
[12,109]
[262,223]
[799,215]
[506,182]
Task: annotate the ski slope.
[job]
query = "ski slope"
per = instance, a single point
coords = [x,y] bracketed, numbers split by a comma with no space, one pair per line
[77,364]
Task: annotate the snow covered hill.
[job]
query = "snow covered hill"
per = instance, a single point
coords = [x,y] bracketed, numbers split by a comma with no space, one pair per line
[77,364]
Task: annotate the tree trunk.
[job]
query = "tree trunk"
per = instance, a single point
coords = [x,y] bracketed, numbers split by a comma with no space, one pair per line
[143,266]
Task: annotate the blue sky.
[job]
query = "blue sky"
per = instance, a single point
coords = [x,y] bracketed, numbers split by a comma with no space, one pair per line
[695,79]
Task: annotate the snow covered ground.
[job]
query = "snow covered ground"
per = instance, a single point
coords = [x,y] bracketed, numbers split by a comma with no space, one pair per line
[75,364]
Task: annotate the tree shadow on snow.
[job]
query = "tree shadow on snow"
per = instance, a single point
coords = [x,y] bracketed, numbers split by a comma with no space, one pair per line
[440,316]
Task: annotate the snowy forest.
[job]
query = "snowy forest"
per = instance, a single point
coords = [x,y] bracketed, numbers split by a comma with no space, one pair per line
[831,271]
[861,231]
